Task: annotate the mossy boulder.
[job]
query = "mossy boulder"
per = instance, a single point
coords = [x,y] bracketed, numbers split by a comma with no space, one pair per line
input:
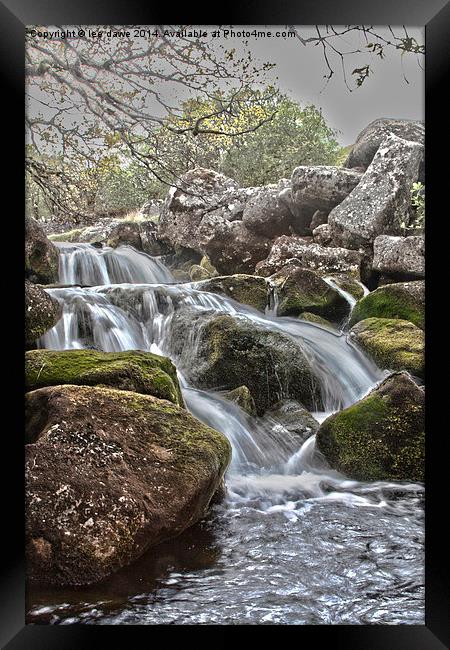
[404,300]
[220,351]
[381,437]
[42,312]
[301,290]
[247,289]
[110,473]
[392,343]
[134,370]
[243,398]
[41,256]
[197,273]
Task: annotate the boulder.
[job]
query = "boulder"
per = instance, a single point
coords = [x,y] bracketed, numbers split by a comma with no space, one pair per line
[125,233]
[399,257]
[41,256]
[133,370]
[150,244]
[314,318]
[322,187]
[42,312]
[293,418]
[381,437]
[381,201]
[110,473]
[301,290]
[224,350]
[310,255]
[301,217]
[243,398]
[247,289]
[404,300]
[319,218]
[368,141]
[264,214]
[231,247]
[392,343]
[205,263]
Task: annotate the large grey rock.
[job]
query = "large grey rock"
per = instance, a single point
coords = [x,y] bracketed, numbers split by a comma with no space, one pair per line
[264,214]
[399,256]
[322,187]
[381,201]
[311,256]
[372,136]
[41,256]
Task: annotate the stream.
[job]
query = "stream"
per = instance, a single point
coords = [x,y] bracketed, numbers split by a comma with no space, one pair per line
[293,542]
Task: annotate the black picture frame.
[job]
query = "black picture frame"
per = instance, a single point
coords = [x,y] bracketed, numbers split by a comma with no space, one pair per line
[14,16]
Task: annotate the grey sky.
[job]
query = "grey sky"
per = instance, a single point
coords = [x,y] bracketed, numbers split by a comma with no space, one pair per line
[300,71]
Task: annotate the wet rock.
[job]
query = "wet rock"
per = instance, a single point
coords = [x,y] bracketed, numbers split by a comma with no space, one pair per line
[141,372]
[310,255]
[368,141]
[243,398]
[399,257]
[404,300]
[322,187]
[110,473]
[381,437]
[292,417]
[381,201]
[314,318]
[392,343]
[247,289]
[41,256]
[225,350]
[301,290]
[42,312]
[349,284]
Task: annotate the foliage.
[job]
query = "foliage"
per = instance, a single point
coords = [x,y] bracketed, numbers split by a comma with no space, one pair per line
[418,203]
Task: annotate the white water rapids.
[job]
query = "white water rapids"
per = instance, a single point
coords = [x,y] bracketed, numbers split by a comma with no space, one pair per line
[296,542]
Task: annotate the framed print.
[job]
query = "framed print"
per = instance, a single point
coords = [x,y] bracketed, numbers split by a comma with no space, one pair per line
[221,369]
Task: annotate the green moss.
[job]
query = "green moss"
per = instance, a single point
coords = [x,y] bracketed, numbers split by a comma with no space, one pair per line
[205,263]
[243,398]
[349,284]
[392,343]
[137,371]
[379,438]
[197,273]
[390,301]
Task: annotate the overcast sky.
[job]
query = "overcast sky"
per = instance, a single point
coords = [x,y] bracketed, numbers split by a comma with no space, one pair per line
[301,69]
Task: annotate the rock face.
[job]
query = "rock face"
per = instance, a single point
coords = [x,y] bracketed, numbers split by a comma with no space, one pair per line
[382,199]
[247,289]
[310,255]
[372,136]
[41,256]
[141,372]
[225,350]
[392,343]
[110,473]
[399,257]
[380,437]
[301,290]
[322,187]
[405,300]
[42,312]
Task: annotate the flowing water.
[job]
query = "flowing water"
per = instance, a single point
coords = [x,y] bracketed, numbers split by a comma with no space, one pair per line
[294,542]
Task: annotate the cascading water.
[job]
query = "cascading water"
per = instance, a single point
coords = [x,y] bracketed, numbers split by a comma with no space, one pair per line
[294,541]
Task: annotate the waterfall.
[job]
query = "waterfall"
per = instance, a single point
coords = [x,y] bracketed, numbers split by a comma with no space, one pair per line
[294,541]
